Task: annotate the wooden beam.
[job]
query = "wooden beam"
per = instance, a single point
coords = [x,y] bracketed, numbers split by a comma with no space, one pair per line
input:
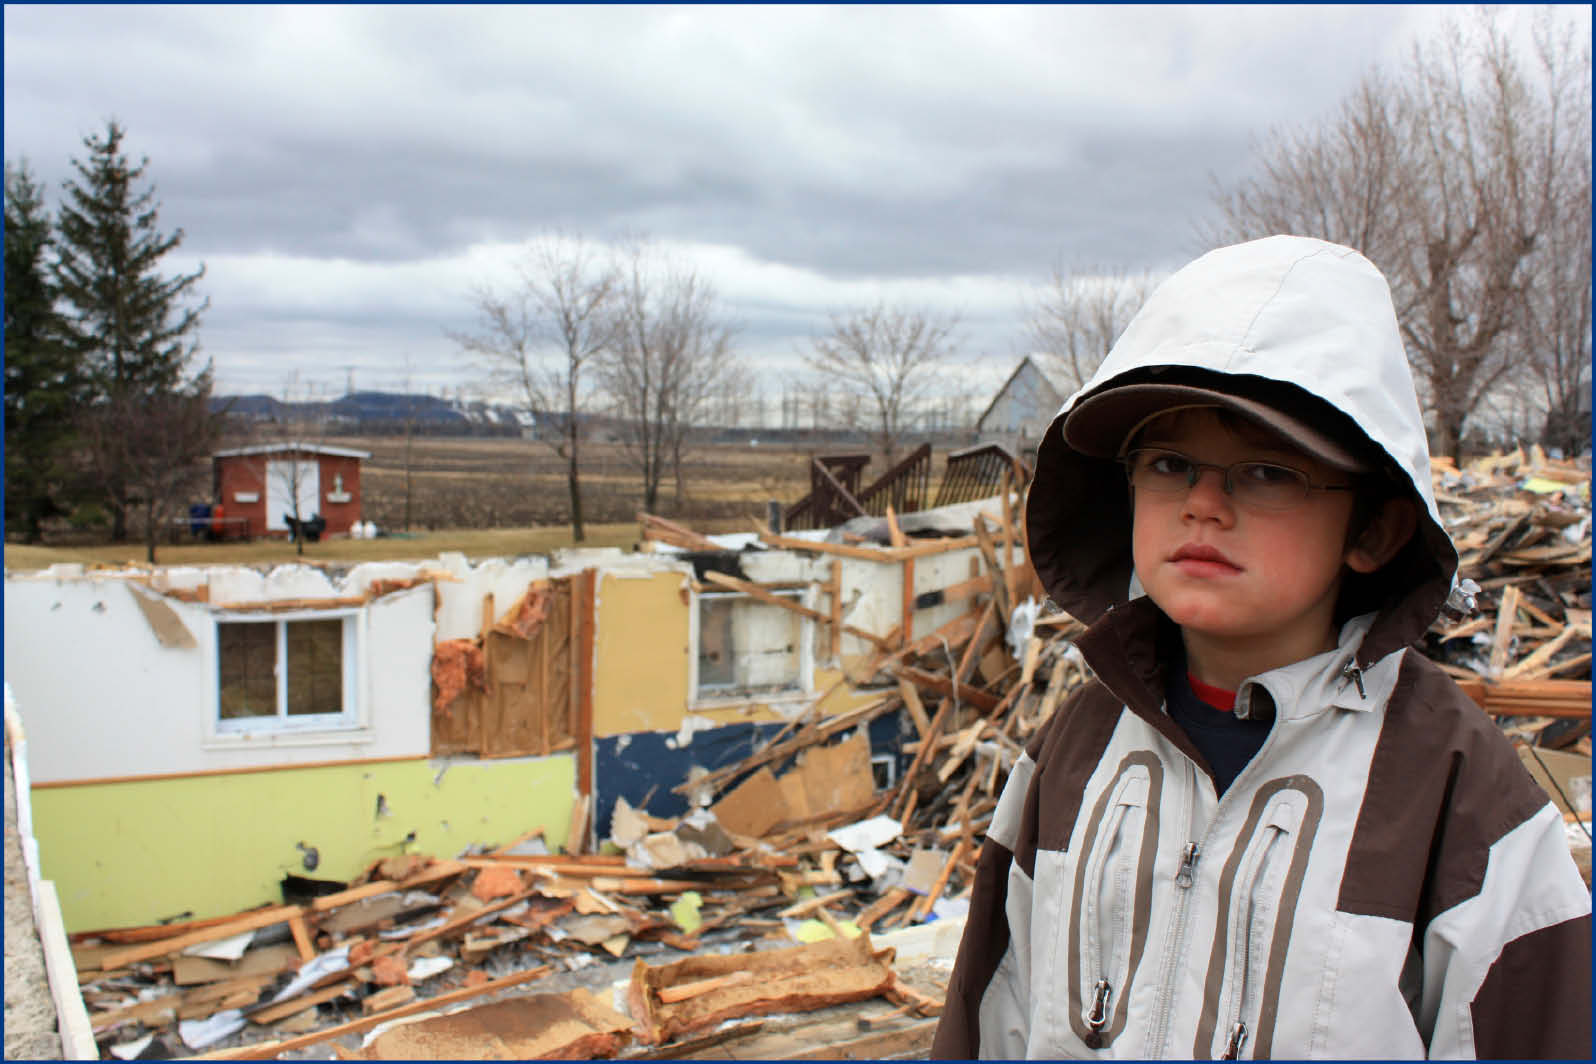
[1506,615]
[835,590]
[894,533]
[655,527]
[271,1050]
[756,591]
[974,696]
[582,679]
[906,627]
[869,554]
[911,700]
[264,918]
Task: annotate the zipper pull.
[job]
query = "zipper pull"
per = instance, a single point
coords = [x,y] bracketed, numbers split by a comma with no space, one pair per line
[1188,865]
[1102,993]
[1238,1038]
[1355,674]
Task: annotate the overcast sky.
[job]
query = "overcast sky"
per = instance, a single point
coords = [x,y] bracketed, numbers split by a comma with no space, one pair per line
[347,174]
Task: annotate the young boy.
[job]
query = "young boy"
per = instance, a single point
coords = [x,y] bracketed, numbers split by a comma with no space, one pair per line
[1268,828]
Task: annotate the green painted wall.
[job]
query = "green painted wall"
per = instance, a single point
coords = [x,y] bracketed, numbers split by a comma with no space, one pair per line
[132,853]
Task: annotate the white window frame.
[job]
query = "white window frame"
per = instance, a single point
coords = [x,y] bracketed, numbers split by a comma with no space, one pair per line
[698,699]
[350,725]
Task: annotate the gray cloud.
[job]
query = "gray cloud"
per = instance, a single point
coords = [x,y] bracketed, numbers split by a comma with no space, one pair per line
[348,172]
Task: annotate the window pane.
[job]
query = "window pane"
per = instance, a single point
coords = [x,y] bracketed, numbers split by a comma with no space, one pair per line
[715,644]
[247,655]
[769,639]
[747,647]
[315,667]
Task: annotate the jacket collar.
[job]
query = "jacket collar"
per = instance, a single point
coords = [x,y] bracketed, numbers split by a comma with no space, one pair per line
[1132,646]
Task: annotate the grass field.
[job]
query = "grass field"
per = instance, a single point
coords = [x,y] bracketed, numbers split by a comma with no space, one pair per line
[488,498]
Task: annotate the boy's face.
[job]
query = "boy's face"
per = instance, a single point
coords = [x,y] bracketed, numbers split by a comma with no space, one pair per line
[1259,583]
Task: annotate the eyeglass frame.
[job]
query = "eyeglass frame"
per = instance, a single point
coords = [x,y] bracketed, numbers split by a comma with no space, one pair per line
[1226,472]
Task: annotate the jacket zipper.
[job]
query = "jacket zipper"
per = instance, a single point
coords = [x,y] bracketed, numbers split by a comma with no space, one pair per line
[1099,951]
[1185,876]
[1246,985]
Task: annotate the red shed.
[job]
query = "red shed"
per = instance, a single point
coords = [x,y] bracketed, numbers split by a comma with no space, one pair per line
[259,484]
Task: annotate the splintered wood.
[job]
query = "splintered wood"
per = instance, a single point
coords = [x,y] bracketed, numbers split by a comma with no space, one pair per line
[1521,524]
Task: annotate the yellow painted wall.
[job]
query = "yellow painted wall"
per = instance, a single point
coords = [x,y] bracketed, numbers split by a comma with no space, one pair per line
[641,669]
[640,653]
[133,853]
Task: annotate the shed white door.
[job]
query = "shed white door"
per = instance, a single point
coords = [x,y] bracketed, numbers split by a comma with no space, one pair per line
[283,481]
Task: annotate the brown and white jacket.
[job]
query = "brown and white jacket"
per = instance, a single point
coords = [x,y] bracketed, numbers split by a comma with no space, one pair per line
[1383,879]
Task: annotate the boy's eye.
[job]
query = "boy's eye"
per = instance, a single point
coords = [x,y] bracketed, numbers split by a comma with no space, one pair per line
[1264,474]
[1168,464]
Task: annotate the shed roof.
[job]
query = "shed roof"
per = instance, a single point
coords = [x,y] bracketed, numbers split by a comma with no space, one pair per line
[289,446]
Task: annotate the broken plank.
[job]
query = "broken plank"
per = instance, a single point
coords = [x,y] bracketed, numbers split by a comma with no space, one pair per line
[883,905]
[1543,654]
[809,905]
[250,922]
[756,591]
[301,933]
[392,997]
[686,991]
[655,527]
[284,1009]
[894,532]
[820,547]
[271,1050]
[464,920]
[974,696]
[911,701]
[1506,616]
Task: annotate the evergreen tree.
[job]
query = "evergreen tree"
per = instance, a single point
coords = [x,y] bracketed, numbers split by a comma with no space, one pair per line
[44,385]
[132,327]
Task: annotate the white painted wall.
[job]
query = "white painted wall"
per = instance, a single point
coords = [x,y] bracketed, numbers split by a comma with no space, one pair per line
[102,698]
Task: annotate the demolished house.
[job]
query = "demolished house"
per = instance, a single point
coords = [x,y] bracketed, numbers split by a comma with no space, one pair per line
[385,807]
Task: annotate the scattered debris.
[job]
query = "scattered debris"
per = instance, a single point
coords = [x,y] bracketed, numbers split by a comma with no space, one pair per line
[798,842]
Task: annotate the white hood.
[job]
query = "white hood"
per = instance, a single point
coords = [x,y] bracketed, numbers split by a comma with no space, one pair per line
[1284,309]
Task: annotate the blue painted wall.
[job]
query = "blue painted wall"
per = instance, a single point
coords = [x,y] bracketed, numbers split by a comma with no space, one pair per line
[642,767]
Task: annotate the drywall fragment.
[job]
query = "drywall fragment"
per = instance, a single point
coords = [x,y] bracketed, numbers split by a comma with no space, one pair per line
[224,949]
[423,968]
[197,1034]
[169,629]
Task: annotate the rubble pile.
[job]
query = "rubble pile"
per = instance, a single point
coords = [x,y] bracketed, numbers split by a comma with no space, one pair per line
[1521,523]
[765,897]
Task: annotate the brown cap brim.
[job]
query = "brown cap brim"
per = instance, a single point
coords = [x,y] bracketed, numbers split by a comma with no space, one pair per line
[1102,424]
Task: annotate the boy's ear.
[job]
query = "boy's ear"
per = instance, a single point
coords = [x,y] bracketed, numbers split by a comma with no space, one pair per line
[1386,534]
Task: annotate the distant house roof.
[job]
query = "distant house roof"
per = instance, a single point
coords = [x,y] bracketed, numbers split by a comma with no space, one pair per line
[1052,393]
[292,445]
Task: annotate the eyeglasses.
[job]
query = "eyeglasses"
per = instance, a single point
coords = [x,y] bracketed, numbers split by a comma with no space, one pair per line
[1258,485]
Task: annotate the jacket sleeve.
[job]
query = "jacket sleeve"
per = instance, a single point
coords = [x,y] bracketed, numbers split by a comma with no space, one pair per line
[1507,972]
[986,1012]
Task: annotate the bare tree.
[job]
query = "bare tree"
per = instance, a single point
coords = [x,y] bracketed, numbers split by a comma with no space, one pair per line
[542,337]
[158,441]
[1451,176]
[1556,326]
[888,357]
[1080,315]
[669,355]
